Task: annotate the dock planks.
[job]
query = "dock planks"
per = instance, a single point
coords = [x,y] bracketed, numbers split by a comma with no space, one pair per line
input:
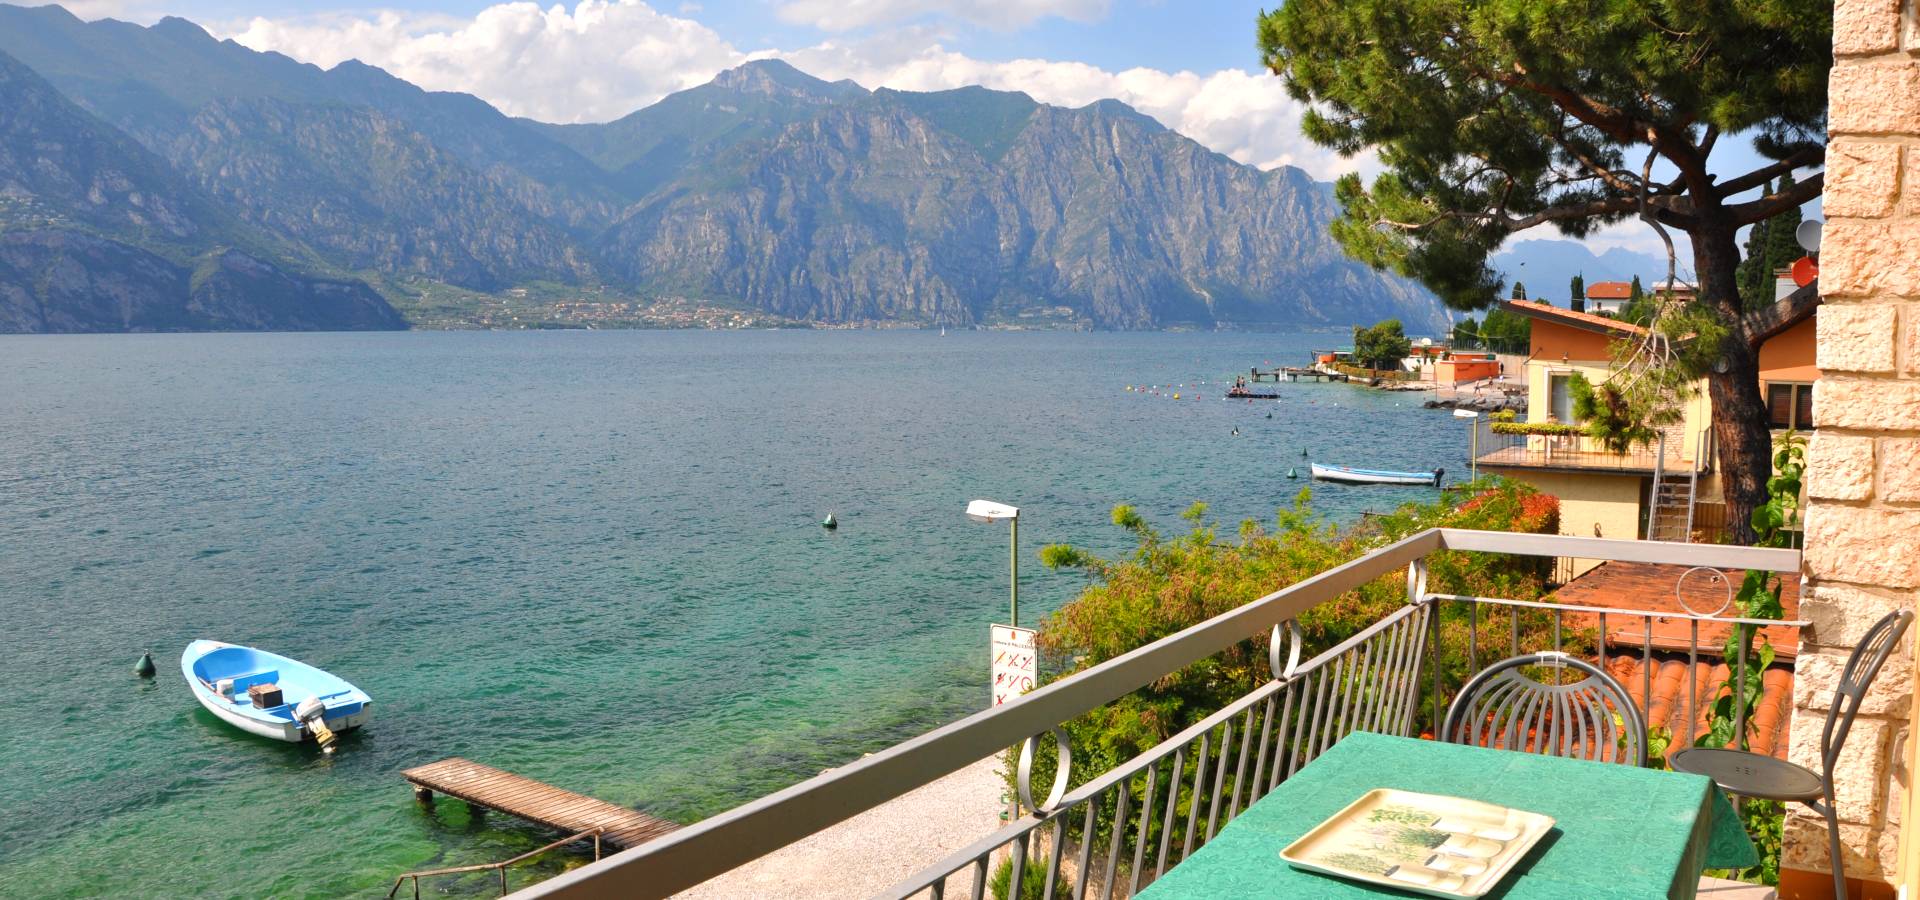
[537,802]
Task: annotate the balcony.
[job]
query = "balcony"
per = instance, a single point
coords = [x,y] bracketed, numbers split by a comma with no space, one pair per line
[1578,453]
[1115,831]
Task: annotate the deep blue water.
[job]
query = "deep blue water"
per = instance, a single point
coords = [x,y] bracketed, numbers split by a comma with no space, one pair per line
[590,558]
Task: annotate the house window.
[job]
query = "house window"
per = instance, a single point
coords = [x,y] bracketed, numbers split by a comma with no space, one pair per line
[1790,406]
[1560,398]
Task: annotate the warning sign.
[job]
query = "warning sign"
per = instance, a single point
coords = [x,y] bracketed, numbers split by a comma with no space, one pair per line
[1015,668]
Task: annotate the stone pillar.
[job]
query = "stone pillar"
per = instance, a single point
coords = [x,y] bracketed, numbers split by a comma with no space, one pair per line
[1863,516]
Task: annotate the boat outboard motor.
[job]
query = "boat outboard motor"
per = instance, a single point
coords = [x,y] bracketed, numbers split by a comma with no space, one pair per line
[312,713]
[1438,474]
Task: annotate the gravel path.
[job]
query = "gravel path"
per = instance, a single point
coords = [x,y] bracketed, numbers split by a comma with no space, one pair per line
[877,848]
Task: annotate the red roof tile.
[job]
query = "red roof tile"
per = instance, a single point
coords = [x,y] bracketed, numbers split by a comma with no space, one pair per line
[1644,586]
[1766,733]
[1609,290]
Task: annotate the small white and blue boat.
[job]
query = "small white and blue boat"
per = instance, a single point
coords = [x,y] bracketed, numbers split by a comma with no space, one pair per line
[1350,475]
[313,704]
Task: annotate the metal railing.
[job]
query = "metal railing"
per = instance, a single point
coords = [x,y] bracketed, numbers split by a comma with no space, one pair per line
[1369,681]
[1575,451]
[1372,680]
[500,866]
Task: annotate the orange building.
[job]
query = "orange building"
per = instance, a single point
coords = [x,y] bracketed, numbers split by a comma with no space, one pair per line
[1667,491]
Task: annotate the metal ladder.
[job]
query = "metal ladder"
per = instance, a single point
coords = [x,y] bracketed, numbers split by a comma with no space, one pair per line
[1671,515]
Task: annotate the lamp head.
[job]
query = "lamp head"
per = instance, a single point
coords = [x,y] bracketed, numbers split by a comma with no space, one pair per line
[989,511]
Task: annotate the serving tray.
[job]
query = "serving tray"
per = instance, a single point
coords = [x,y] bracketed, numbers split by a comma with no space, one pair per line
[1424,843]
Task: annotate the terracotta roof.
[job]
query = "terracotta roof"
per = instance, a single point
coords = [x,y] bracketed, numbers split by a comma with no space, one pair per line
[1767,732]
[1645,586]
[1609,290]
[1625,585]
[1585,321]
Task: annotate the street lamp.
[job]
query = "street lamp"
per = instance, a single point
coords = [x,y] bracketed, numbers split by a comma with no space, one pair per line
[988,511]
[1473,443]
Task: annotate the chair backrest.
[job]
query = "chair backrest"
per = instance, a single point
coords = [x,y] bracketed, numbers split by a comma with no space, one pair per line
[1591,718]
[1863,666]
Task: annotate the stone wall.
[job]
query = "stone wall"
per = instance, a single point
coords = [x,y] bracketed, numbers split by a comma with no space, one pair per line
[1863,517]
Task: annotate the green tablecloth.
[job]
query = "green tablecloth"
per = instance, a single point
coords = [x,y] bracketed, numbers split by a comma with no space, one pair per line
[1621,832]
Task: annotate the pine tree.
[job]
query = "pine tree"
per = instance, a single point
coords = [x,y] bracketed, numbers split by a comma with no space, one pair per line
[1754,273]
[1495,118]
[1519,291]
[1783,246]
[1577,293]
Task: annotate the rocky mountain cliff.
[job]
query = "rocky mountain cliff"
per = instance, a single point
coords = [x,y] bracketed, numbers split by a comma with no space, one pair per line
[98,234]
[766,188]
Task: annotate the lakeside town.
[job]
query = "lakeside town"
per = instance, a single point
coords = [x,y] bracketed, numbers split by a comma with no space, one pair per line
[1315,541]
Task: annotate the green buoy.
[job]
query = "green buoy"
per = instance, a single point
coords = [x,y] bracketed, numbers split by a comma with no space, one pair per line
[1293,473]
[144,668]
[829,523]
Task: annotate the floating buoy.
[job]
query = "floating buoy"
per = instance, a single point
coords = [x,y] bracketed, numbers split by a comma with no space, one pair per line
[1176,395]
[144,668]
[829,522]
[1293,473]
[1269,415]
[1236,432]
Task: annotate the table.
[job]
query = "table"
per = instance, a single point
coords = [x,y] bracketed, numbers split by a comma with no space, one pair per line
[1621,832]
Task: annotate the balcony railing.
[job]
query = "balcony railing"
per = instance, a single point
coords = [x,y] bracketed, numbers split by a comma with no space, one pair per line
[1124,827]
[1571,451]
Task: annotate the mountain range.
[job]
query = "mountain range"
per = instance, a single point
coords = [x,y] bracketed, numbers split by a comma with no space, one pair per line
[155,178]
[1547,267]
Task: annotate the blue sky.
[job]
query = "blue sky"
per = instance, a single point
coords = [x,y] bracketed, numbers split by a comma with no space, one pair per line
[1163,34]
[1192,65]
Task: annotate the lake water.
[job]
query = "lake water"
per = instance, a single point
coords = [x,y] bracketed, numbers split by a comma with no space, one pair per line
[589,558]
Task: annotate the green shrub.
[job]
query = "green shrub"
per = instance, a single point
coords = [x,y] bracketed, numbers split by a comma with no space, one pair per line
[1172,583]
[1547,428]
[1033,881]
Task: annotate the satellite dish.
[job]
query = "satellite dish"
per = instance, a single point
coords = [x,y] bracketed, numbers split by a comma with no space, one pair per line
[1805,270]
[1808,234]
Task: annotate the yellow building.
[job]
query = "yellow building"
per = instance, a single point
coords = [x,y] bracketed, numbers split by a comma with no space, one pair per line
[1666,491]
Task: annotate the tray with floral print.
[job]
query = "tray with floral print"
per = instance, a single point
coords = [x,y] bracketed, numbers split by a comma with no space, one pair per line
[1425,843]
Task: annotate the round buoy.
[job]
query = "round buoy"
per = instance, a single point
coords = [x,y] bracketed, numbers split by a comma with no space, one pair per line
[830,523]
[144,668]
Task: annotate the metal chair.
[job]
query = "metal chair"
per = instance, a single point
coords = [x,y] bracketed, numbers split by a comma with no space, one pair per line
[1753,775]
[1592,718]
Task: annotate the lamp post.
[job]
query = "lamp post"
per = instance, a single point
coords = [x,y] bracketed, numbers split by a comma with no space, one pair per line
[988,511]
[1473,442]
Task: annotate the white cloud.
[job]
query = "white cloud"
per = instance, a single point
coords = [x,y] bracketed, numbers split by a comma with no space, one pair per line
[843,15]
[1244,115]
[125,10]
[600,61]
[606,58]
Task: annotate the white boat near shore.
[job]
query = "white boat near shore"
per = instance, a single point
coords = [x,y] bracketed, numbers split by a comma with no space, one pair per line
[1350,475]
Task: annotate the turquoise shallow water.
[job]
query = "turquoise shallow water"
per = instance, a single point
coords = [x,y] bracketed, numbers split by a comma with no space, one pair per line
[590,558]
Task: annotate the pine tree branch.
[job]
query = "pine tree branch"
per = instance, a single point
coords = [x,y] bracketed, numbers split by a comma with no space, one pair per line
[1778,202]
[1764,176]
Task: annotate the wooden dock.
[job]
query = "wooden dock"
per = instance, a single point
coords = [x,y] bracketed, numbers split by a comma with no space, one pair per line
[534,801]
[1302,373]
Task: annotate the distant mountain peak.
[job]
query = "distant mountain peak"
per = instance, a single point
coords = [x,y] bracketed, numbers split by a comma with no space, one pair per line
[778,77]
[174,26]
[1120,110]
